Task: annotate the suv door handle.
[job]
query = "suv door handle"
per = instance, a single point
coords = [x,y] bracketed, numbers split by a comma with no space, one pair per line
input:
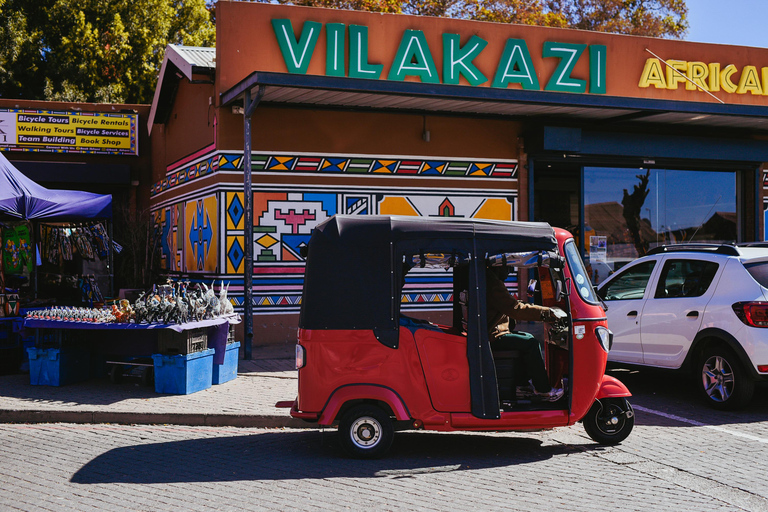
[632,313]
[693,314]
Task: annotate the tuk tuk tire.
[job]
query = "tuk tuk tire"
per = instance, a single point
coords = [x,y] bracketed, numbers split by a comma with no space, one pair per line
[609,421]
[147,376]
[366,432]
[115,373]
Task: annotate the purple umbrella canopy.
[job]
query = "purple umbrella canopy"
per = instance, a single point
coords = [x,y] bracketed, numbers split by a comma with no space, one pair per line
[22,198]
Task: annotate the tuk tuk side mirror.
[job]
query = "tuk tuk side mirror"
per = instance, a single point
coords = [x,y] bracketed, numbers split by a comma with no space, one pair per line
[532,287]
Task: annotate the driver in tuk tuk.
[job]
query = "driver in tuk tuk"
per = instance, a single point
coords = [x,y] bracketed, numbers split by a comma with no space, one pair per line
[503,310]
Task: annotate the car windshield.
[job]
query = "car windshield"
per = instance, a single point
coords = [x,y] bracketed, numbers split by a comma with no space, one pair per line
[758,271]
[579,273]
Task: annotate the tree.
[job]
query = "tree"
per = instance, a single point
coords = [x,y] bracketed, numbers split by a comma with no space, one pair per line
[655,18]
[93,50]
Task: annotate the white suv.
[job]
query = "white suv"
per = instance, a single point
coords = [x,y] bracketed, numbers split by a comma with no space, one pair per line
[697,306]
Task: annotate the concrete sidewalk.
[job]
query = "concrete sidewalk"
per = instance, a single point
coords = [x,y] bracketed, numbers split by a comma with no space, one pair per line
[247,401]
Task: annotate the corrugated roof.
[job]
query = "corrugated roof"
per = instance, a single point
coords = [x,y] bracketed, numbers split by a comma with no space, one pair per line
[179,61]
[187,58]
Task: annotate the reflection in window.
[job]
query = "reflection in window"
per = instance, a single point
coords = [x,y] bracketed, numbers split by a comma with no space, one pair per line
[627,212]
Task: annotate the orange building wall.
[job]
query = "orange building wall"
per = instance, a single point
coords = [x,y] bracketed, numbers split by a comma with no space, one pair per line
[190,126]
[286,129]
[246,43]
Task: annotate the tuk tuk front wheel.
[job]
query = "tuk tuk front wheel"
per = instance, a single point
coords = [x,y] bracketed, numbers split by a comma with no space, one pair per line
[366,432]
[609,420]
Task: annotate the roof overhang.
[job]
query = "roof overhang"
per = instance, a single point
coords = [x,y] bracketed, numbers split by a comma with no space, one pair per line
[361,94]
[190,62]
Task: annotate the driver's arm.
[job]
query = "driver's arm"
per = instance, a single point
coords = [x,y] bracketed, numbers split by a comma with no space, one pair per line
[503,302]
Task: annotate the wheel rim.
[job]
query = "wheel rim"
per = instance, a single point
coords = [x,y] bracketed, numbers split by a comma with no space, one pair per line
[611,419]
[717,378]
[365,432]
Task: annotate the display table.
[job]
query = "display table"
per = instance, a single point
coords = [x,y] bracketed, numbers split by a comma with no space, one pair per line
[71,351]
[36,323]
[10,344]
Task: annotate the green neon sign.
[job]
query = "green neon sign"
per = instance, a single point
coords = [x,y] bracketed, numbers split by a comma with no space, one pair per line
[347,54]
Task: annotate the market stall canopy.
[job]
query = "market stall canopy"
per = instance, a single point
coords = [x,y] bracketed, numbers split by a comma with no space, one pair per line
[22,198]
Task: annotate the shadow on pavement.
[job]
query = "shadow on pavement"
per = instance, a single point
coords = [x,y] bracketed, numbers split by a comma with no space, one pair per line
[674,393]
[96,391]
[300,455]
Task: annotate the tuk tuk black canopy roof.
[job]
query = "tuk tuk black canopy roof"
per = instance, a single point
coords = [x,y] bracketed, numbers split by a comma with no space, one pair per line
[355,263]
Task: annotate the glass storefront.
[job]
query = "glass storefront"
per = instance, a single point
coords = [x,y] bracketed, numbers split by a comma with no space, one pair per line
[628,211]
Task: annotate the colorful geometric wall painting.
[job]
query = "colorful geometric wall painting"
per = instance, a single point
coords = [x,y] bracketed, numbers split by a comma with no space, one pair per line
[476,207]
[167,220]
[235,210]
[235,254]
[328,164]
[283,220]
[176,178]
[201,234]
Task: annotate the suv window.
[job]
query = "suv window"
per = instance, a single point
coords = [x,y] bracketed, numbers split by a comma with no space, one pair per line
[630,284]
[685,278]
[759,272]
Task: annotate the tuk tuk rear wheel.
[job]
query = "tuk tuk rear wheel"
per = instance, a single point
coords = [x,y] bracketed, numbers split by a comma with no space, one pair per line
[609,420]
[366,432]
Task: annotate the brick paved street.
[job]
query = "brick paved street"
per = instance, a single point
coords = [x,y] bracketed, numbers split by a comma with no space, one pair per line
[664,465]
[681,456]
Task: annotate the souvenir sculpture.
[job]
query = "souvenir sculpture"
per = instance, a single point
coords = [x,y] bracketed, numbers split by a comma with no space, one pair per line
[173,303]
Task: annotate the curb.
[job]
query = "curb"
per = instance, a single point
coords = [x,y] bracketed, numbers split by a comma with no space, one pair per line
[138,418]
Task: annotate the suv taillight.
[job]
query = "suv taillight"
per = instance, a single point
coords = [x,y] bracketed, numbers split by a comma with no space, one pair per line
[754,314]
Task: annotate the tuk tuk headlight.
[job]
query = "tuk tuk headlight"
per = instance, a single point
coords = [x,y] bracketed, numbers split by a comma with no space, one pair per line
[605,336]
[301,356]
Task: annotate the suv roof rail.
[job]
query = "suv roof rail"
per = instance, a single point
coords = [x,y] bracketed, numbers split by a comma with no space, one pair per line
[727,249]
[752,244]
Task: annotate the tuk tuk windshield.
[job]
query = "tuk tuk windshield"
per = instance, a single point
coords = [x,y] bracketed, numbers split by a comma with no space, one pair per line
[579,273]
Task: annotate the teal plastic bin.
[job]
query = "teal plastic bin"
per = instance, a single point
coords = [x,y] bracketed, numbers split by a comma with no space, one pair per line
[228,370]
[182,374]
[57,367]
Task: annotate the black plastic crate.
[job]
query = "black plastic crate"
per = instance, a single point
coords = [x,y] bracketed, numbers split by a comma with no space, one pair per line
[8,338]
[231,334]
[170,342]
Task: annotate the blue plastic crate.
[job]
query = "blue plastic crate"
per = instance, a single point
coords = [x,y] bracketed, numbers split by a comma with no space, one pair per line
[228,370]
[57,367]
[182,374]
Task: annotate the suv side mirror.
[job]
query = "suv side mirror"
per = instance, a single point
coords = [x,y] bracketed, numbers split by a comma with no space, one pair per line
[600,298]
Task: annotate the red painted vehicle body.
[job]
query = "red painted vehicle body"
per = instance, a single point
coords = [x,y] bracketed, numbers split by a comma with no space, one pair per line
[423,378]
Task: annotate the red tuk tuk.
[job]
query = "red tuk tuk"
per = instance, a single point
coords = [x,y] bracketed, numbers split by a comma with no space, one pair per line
[370,370]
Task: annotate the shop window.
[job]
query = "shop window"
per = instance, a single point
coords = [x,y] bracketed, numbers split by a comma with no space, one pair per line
[629,211]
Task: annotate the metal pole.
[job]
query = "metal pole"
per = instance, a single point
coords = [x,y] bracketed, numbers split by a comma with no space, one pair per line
[249,105]
[111,259]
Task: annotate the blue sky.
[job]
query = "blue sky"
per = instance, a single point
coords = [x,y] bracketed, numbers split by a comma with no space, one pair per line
[739,22]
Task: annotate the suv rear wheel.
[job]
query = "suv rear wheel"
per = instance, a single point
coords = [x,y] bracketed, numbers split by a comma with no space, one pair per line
[722,380]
